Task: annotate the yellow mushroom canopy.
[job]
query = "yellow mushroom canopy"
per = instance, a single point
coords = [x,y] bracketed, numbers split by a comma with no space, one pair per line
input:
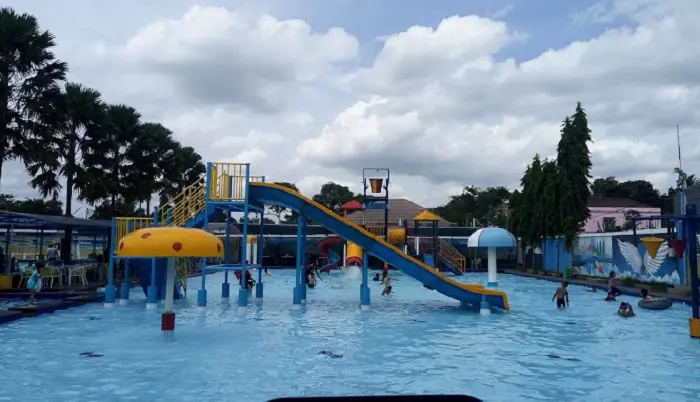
[170,241]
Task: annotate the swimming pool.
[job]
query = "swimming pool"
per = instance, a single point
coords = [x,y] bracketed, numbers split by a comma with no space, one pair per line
[415,341]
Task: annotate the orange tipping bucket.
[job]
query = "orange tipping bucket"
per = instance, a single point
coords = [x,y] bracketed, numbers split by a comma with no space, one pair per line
[652,244]
[376,185]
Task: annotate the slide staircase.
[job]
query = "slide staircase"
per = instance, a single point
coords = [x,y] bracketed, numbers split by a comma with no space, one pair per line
[452,258]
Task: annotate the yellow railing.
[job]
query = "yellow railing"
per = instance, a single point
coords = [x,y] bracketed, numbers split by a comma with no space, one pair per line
[182,272]
[184,206]
[452,255]
[376,230]
[228,181]
[125,226]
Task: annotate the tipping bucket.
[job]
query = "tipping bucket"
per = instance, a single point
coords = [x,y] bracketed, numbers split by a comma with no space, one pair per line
[376,185]
[652,244]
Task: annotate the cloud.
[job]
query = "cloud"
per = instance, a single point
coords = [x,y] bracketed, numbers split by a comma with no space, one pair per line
[443,104]
[214,56]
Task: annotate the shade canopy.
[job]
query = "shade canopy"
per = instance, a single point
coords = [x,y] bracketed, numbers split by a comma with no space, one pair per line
[170,241]
[492,237]
[426,216]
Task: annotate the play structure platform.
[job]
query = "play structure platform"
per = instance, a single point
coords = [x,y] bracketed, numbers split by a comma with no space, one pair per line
[229,187]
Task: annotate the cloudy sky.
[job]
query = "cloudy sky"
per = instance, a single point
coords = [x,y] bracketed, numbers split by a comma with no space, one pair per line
[445,93]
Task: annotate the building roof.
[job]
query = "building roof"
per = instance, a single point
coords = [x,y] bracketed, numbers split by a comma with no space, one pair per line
[20,220]
[398,209]
[606,202]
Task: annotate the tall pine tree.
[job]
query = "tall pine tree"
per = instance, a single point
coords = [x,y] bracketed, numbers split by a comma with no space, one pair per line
[530,225]
[574,163]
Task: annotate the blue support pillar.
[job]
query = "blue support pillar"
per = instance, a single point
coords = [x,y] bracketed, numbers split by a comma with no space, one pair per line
[364,288]
[110,289]
[152,291]
[259,285]
[243,292]
[202,292]
[298,282]
[226,286]
[126,282]
[691,226]
[484,307]
[305,263]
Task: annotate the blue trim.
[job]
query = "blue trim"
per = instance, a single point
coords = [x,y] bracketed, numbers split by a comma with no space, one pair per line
[492,284]
[261,245]
[364,288]
[300,252]
[243,292]
[226,289]
[110,289]
[202,297]
[691,226]
[338,225]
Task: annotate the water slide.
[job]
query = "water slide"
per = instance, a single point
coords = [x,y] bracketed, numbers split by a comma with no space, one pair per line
[142,270]
[468,294]
[325,250]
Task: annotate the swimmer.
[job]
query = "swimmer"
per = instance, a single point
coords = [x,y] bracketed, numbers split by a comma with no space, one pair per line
[625,310]
[562,295]
[645,295]
[387,284]
[376,277]
[612,284]
[610,297]
[310,279]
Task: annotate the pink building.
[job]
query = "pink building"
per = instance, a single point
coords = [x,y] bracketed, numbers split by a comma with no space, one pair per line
[610,215]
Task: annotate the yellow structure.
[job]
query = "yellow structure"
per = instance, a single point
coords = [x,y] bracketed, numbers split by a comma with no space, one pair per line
[353,254]
[652,244]
[397,236]
[426,216]
[170,241]
[694,324]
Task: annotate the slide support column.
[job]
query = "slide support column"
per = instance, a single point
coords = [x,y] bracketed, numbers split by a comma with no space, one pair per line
[364,287]
[296,302]
[492,269]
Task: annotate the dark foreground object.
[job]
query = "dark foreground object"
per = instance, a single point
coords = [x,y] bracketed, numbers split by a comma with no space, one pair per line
[391,398]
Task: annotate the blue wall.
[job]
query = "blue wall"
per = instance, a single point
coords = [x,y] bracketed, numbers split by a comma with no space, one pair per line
[598,255]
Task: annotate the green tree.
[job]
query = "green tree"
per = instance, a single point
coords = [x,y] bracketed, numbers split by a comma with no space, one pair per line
[106,158]
[78,110]
[549,205]
[179,170]
[574,162]
[333,196]
[38,206]
[530,205]
[106,210]
[29,80]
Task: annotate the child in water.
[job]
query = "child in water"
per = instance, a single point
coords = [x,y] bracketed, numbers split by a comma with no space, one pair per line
[387,284]
[645,295]
[376,277]
[610,297]
[562,295]
[34,283]
[625,310]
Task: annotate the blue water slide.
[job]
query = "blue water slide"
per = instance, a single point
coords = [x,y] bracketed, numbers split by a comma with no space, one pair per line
[142,270]
[431,278]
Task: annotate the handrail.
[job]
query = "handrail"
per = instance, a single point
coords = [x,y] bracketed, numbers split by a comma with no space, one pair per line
[452,255]
[126,225]
[190,198]
[182,273]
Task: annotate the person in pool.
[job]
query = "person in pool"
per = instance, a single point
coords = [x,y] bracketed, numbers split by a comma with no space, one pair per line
[387,285]
[625,310]
[34,283]
[645,295]
[376,277]
[610,297]
[562,295]
[266,273]
[612,284]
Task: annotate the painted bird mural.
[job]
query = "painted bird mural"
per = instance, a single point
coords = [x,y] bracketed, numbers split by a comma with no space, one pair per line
[647,265]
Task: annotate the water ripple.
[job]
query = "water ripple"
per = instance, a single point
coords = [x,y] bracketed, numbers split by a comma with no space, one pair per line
[413,341]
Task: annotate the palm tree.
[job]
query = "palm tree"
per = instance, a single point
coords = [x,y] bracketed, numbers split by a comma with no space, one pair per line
[106,157]
[79,110]
[180,169]
[29,80]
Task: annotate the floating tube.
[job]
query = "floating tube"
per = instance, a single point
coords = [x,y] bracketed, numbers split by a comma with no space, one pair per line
[658,304]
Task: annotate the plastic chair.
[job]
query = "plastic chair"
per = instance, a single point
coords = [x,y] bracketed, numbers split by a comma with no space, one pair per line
[24,278]
[48,275]
[80,273]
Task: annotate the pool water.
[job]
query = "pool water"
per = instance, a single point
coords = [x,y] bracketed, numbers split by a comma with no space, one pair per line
[16,302]
[414,341]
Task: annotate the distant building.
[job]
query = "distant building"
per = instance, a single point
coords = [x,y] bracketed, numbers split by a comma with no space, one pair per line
[692,196]
[607,214]
[399,210]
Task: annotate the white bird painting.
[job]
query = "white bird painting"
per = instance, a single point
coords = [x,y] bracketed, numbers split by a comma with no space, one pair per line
[649,265]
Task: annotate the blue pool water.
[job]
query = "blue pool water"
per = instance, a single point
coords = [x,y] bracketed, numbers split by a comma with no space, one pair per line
[414,341]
